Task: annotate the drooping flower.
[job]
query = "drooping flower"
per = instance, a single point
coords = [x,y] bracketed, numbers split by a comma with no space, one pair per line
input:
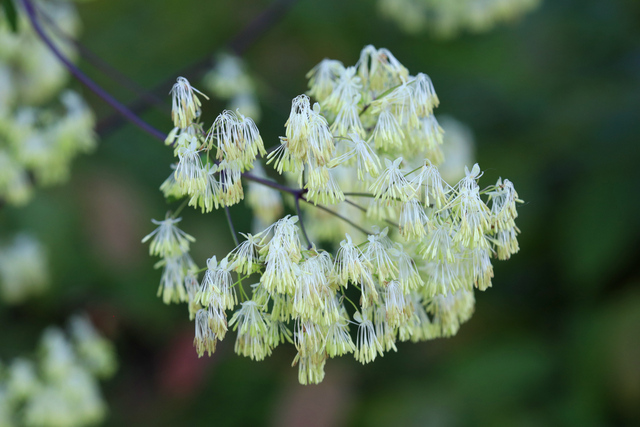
[185,105]
[168,240]
[368,345]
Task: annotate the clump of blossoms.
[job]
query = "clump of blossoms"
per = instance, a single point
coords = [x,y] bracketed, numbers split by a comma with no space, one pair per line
[60,386]
[400,252]
[42,127]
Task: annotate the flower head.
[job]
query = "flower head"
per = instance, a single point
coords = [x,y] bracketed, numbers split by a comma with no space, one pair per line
[174,272]
[392,183]
[217,285]
[205,339]
[237,138]
[368,345]
[167,239]
[323,78]
[185,105]
[253,331]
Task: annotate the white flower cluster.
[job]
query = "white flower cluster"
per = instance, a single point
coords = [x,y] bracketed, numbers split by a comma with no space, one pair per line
[412,280]
[59,388]
[229,80]
[41,131]
[446,18]
[209,182]
[172,245]
[24,270]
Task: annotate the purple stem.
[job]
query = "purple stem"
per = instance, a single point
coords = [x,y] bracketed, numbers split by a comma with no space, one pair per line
[272,184]
[103,66]
[238,45]
[231,227]
[304,231]
[297,195]
[85,80]
[355,205]
[345,219]
[244,40]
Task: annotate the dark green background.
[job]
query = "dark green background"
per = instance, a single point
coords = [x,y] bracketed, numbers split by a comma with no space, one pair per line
[554,102]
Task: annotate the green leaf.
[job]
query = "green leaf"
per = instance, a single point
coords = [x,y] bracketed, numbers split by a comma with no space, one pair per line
[10,13]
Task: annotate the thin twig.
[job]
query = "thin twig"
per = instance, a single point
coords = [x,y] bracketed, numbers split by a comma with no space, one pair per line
[359,194]
[85,80]
[103,66]
[369,195]
[363,209]
[336,214]
[231,227]
[304,231]
[238,45]
[285,189]
[348,299]
[269,183]
[180,208]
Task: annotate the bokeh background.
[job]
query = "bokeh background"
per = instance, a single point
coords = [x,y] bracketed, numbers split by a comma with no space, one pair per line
[553,100]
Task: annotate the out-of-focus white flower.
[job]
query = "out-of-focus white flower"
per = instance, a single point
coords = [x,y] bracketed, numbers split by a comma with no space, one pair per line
[185,105]
[23,269]
[230,80]
[95,352]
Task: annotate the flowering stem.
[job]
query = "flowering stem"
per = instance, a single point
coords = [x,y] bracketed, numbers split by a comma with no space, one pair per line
[133,118]
[488,189]
[382,95]
[239,283]
[180,208]
[345,219]
[297,195]
[101,65]
[348,299]
[360,195]
[269,183]
[243,294]
[366,107]
[412,171]
[304,231]
[231,227]
[239,44]
[369,195]
[355,205]
[85,80]
[285,189]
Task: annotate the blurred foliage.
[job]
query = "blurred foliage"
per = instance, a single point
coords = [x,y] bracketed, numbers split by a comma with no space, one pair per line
[553,101]
[10,14]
